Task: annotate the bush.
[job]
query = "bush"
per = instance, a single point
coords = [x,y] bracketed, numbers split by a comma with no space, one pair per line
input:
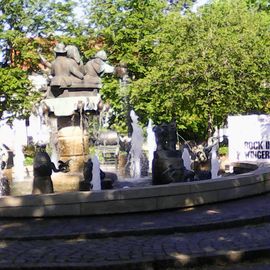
[223,150]
[28,161]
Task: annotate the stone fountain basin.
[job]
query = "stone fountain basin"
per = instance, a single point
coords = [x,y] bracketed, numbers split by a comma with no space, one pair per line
[138,199]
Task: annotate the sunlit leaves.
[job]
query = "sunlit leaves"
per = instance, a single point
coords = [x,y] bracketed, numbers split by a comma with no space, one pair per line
[128,28]
[27,25]
[208,65]
[16,97]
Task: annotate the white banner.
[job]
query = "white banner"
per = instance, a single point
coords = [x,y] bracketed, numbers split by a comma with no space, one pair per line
[249,138]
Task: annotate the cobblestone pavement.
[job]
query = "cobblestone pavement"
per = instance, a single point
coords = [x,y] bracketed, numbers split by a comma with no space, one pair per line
[217,233]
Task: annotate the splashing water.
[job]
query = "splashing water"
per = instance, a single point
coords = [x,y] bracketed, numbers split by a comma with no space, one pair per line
[214,162]
[136,146]
[1,174]
[186,159]
[151,144]
[53,140]
[96,181]
[39,129]
[20,140]
[48,134]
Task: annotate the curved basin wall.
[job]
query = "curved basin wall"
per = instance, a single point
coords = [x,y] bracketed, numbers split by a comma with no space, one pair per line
[152,198]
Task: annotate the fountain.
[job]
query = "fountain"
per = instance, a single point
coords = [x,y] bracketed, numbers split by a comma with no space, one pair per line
[96,181]
[136,146]
[61,120]
[151,145]
[214,162]
[168,189]
[72,94]
[186,158]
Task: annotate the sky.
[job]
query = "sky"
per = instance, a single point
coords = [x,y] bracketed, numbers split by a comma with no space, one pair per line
[199,3]
[196,5]
[79,13]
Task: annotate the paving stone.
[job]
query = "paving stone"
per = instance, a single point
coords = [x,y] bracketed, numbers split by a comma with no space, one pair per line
[144,240]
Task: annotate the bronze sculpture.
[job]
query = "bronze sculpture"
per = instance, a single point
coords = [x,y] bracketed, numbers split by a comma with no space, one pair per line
[43,168]
[95,68]
[168,166]
[68,71]
[65,71]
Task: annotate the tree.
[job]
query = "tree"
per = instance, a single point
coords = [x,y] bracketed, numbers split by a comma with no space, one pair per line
[206,66]
[16,97]
[196,68]
[26,25]
[261,5]
[127,28]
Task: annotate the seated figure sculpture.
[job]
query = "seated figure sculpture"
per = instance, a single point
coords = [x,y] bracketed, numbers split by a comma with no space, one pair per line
[166,137]
[74,54]
[65,71]
[68,72]
[95,68]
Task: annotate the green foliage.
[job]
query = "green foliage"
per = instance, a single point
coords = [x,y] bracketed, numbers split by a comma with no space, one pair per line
[29,153]
[194,68]
[16,98]
[21,20]
[223,150]
[128,28]
[24,27]
[37,17]
[28,161]
[206,66]
[260,5]
[29,150]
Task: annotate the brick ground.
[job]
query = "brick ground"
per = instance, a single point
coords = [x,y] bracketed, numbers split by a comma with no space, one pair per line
[218,233]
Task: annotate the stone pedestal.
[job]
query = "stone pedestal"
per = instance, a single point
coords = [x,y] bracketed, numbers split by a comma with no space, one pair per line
[73,145]
[122,165]
[66,182]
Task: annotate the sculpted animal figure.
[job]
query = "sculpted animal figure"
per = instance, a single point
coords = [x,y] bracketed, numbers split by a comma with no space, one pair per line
[166,136]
